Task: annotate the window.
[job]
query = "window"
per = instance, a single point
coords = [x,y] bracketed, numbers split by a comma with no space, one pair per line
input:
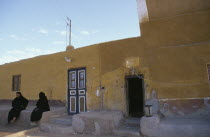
[72,80]
[16,82]
[208,70]
[81,79]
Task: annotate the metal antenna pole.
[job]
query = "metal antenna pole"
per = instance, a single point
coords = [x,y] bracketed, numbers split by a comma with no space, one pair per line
[69,30]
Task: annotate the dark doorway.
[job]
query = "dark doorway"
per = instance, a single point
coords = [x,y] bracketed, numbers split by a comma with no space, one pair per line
[135,96]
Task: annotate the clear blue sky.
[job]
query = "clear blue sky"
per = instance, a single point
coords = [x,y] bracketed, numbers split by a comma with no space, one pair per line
[30,28]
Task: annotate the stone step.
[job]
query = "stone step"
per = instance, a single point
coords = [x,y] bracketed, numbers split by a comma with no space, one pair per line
[131,122]
[62,120]
[56,128]
[127,132]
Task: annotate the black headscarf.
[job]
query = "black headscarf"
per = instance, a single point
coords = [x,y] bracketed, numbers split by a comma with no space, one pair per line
[43,102]
[19,94]
[42,96]
[20,102]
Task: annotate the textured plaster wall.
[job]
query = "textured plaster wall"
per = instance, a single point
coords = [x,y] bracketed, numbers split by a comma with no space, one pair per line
[165,8]
[178,30]
[49,74]
[173,53]
[186,107]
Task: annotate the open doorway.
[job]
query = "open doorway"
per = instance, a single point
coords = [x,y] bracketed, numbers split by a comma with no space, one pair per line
[135,96]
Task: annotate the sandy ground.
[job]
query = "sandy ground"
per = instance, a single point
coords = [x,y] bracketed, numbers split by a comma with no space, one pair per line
[41,134]
[6,130]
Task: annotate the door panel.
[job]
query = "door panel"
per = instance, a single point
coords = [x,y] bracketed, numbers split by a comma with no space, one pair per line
[77,90]
[82,104]
[73,104]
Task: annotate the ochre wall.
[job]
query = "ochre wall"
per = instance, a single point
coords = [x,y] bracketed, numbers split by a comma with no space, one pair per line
[173,72]
[172,52]
[172,31]
[165,8]
[49,74]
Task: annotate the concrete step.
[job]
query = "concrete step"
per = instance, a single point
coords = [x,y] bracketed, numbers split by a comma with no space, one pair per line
[127,132]
[182,127]
[132,122]
[56,128]
[62,120]
[185,121]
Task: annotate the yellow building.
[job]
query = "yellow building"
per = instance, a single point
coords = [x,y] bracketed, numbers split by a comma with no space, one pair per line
[167,66]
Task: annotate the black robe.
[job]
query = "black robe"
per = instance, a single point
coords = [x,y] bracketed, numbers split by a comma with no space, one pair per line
[41,106]
[18,104]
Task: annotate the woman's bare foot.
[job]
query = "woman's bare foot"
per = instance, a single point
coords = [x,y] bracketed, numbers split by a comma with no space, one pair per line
[33,123]
[13,120]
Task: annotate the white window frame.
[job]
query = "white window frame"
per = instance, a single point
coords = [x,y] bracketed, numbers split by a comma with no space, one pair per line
[73,93]
[70,79]
[81,91]
[79,79]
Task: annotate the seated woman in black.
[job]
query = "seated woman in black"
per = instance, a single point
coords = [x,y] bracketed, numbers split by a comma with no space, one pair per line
[18,104]
[41,106]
